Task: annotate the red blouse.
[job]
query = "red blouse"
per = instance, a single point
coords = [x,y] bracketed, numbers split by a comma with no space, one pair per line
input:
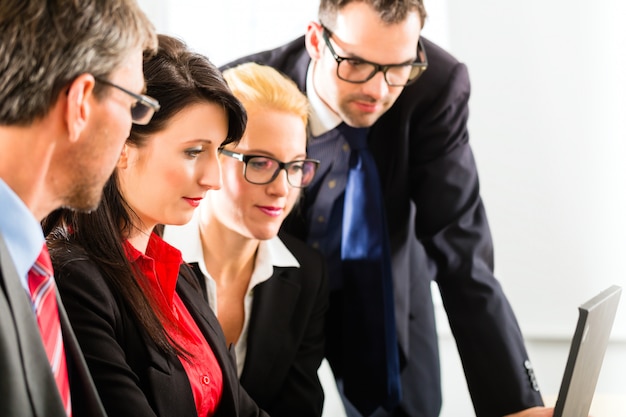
[161,265]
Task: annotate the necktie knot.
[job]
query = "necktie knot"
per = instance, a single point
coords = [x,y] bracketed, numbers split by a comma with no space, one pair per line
[355,136]
[43,264]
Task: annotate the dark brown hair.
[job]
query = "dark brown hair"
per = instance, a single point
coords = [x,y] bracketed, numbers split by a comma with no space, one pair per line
[389,11]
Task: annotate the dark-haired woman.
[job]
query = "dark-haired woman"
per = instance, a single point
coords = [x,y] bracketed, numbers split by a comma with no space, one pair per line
[152,344]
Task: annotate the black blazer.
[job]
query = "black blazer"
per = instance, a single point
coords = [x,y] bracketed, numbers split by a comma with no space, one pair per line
[132,376]
[285,343]
[438,231]
[27,386]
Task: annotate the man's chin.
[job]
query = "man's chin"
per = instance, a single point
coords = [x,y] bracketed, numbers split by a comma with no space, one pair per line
[84,203]
[360,119]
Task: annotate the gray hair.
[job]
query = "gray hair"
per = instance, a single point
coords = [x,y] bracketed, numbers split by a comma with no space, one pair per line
[45,44]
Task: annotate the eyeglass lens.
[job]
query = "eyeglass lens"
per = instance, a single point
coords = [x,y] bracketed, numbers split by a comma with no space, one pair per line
[354,70]
[141,113]
[143,108]
[263,170]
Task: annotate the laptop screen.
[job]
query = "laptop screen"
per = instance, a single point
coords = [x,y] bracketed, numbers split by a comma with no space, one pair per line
[586,354]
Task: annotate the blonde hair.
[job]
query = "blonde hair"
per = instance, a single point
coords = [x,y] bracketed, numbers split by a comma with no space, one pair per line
[261,86]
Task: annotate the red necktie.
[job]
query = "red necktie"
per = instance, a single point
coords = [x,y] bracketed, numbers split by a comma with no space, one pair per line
[44,301]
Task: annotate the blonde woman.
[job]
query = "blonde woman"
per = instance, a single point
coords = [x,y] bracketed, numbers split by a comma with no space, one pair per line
[269,293]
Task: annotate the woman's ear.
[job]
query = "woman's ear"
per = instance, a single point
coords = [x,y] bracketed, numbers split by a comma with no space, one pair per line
[79,105]
[122,162]
[313,40]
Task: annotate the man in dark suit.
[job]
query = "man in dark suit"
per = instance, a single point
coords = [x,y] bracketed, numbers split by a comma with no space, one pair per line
[62,127]
[364,65]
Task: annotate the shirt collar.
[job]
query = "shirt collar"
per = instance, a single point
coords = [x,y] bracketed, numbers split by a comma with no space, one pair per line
[272,252]
[322,119]
[187,239]
[160,265]
[21,231]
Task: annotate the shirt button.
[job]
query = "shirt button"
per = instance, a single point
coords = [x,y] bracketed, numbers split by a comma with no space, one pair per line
[316,245]
[206,380]
[321,219]
[332,184]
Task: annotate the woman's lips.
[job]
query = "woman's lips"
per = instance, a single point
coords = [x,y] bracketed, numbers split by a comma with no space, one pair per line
[193,201]
[271,211]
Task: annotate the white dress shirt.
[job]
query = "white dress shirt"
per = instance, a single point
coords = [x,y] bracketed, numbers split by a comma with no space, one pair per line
[272,252]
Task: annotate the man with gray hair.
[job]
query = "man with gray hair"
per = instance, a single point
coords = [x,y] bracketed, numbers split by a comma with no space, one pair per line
[70,86]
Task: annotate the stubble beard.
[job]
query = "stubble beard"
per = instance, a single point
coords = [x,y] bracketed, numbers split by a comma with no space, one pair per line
[85,192]
[84,196]
[357,118]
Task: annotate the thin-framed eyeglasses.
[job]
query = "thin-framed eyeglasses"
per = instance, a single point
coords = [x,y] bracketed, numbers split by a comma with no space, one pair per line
[142,109]
[260,169]
[357,70]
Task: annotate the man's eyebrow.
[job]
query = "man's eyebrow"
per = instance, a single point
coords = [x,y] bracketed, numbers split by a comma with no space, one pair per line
[355,57]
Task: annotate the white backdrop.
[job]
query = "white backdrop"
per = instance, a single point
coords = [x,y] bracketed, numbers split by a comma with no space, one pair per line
[548,125]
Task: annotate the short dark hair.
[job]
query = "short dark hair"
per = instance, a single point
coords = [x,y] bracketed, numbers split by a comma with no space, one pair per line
[45,44]
[389,11]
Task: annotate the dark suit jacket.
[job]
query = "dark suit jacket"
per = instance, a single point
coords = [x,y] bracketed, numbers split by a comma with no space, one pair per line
[132,376]
[438,231]
[285,343]
[27,386]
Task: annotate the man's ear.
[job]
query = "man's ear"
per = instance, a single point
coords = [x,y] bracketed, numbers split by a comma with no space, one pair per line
[79,104]
[313,40]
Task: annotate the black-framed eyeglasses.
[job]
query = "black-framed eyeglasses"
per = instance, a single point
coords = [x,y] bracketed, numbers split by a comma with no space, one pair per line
[143,109]
[357,70]
[260,169]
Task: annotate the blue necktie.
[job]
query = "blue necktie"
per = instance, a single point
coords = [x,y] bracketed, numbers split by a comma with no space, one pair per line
[371,368]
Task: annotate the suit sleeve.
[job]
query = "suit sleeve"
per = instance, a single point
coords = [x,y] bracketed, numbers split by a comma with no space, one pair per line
[301,393]
[451,224]
[95,318]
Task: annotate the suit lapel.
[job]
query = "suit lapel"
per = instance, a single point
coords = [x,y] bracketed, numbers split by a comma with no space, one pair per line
[85,400]
[272,311]
[39,379]
[195,299]
[212,331]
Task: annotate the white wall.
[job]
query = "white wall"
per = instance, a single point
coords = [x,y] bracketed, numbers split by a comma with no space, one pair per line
[225,30]
[548,128]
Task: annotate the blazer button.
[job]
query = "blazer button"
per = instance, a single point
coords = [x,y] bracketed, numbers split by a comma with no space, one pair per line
[206,380]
